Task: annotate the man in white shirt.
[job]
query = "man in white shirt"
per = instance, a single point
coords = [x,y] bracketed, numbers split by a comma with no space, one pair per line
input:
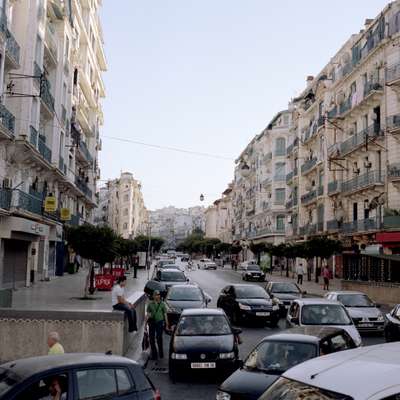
[120,303]
[299,272]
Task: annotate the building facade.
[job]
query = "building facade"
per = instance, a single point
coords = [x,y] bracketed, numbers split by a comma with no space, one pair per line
[121,206]
[52,59]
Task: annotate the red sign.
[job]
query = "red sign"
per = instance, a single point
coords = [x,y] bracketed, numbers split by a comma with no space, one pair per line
[116,272]
[104,281]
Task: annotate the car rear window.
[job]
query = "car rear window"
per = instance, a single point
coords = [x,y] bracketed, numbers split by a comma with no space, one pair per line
[173,276]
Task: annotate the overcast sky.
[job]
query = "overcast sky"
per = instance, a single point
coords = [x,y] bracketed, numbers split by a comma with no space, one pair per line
[206,76]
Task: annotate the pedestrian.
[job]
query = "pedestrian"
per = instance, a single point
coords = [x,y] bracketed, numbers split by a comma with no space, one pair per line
[53,341]
[78,262]
[56,387]
[326,276]
[300,272]
[120,303]
[156,319]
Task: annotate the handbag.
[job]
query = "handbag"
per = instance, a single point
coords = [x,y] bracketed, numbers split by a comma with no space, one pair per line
[145,340]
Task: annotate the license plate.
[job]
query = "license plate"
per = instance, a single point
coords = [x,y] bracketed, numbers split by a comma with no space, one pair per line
[262,314]
[203,365]
[366,325]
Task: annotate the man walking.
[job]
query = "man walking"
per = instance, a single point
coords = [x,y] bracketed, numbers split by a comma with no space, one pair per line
[120,303]
[299,272]
[156,317]
[53,341]
[326,276]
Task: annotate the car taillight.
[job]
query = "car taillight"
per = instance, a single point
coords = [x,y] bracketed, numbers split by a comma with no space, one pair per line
[157,395]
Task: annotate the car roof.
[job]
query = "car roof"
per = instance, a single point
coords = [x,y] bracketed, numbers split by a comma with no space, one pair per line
[286,283]
[378,368]
[203,311]
[316,300]
[236,285]
[346,292]
[191,286]
[170,270]
[306,334]
[29,366]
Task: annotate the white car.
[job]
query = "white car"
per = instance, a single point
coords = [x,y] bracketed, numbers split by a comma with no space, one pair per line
[243,265]
[366,373]
[322,312]
[206,263]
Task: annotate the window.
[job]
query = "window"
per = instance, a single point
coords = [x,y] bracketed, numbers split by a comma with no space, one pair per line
[286,120]
[339,342]
[42,388]
[280,223]
[280,147]
[279,196]
[280,172]
[126,197]
[102,383]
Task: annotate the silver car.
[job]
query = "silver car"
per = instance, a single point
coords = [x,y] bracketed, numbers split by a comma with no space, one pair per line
[363,311]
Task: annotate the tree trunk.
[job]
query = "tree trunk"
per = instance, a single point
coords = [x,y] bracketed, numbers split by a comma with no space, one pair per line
[308,271]
[317,270]
[287,267]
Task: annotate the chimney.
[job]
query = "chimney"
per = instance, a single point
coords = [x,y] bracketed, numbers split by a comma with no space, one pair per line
[368,22]
[310,79]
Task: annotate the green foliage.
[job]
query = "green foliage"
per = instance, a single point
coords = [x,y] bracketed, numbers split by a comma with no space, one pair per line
[142,243]
[236,249]
[391,212]
[223,248]
[324,247]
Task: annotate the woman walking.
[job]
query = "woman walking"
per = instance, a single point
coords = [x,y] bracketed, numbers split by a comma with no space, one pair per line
[326,276]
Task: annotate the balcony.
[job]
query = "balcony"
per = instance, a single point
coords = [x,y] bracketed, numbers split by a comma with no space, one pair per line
[26,202]
[62,166]
[334,187]
[332,225]
[393,75]
[51,44]
[364,181]
[268,157]
[309,229]
[310,132]
[289,204]
[308,165]
[7,123]
[291,175]
[344,107]
[362,225]
[394,172]
[84,152]
[280,178]
[391,222]
[82,185]
[5,198]
[320,121]
[46,97]
[320,191]
[393,123]
[12,51]
[266,182]
[360,138]
[320,226]
[332,113]
[309,197]
[39,143]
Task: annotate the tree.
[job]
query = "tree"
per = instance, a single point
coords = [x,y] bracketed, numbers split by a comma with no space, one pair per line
[324,248]
[209,246]
[95,243]
[223,247]
[257,249]
[157,243]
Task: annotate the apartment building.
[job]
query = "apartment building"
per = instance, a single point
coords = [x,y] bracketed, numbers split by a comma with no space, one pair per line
[121,206]
[52,59]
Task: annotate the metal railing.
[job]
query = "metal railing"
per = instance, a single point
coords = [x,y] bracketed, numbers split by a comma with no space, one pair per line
[332,225]
[83,187]
[321,121]
[44,150]
[334,187]
[289,176]
[332,113]
[309,164]
[45,94]
[7,119]
[33,137]
[361,225]
[27,202]
[363,181]
[370,87]
[393,121]
[391,222]
[5,198]
[51,40]
[360,138]
[320,190]
[320,226]
[394,170]
[12,47]
[345,106]
[85,151]
[61,165]
[393,73]
[308,197]
[289,204]
[309,229]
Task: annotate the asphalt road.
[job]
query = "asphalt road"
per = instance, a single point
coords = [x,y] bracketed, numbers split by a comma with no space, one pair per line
[205,387]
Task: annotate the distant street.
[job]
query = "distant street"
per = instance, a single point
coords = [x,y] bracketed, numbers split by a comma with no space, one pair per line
[212,282]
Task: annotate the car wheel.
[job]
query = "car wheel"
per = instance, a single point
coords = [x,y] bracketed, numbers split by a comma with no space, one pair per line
[388,336]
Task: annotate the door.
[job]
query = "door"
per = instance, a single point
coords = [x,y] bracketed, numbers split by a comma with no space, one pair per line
[52,259]
[15,263]
[60,258]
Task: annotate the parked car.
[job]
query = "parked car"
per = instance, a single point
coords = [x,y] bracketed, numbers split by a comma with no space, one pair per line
[392,327]
[206,263]
[363,311]
[181,297]
[285,293]
[203,340]
[322,312]
[248,302]
[163,262]
[253,273]
[277,353]
[163,280]
[365,373]
[89,375]
[243,265]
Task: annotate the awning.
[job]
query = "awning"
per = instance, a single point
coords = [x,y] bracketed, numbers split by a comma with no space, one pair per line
[388,237]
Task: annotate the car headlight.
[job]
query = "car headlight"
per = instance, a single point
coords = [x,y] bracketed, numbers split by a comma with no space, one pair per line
[244,307]
[179,356]
[224,356]
[222,395]
[381,318]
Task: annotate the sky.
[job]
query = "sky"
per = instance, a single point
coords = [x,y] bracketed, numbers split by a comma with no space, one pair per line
[207,76]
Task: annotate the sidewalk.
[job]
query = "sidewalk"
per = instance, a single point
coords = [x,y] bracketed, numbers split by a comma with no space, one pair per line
[65,293]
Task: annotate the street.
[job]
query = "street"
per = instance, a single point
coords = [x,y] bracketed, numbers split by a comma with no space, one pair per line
[205,388]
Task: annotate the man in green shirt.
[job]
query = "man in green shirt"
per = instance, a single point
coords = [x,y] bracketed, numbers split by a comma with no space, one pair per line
[156,316]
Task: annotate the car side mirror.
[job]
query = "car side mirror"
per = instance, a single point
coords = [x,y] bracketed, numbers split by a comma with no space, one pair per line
[377,305]
[187,279]
[304,292]
[236,331]
[295,321]
[271,295]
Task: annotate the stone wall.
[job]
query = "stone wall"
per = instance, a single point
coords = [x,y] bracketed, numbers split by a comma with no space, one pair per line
[380,292]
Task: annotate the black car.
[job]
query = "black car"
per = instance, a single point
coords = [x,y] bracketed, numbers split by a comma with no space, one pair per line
[392,327]
[77,375]
[203,340]
[181,297]
[163,280]
[285,292]
[277,353]
[253,273]
[248,302]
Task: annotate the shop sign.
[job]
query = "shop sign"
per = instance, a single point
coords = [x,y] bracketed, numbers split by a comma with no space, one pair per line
[65,214]
[50,204]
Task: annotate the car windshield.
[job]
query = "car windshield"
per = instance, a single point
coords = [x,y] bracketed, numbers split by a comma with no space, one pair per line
[7,380]
[253,268]
[251,292]
[276,357]
[173,276]
[284,288]
[203,325]
[355,300]
[286,389]
[324,314]
[184,294]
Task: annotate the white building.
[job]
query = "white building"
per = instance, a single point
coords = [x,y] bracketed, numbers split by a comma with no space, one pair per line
[52,59]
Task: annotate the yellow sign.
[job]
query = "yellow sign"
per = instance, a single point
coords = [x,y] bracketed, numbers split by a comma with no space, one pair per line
[65,214]
[50,204]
